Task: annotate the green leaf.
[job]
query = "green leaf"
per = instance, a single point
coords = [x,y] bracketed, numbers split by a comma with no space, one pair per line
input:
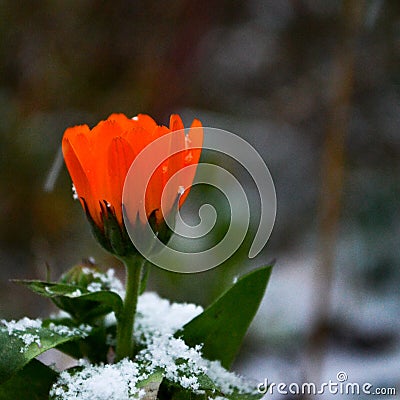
[95,347]
[19,346]
[222,326]
[82,304]
[156,376]
[151,385]
[51,289]
[89,306]
[171,390]
[33,382]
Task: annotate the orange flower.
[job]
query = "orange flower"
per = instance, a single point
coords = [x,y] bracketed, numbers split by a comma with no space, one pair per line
[98,161]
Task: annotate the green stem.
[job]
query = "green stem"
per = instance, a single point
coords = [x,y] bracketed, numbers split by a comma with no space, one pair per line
[126,319]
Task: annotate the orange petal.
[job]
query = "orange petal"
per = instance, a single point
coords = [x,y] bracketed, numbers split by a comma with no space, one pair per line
[154,193]
[174,164]
[78,138]
[120,158]
[194,143]
[123,121]
[80,180]
[102,134]
[145,121]
[100,139]
[175,123]
[155,187]
[139,138]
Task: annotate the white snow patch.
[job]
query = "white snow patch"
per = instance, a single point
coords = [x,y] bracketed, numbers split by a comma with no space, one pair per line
[103,382]
[83,330]
[74,193]
[75,293]
[94,287]
[28,339]
[164,351]
[21,325]
[48,290]
[110,320]
[106,281]
[160,315]
[60,314]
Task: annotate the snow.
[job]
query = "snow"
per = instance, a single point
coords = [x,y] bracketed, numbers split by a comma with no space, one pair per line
[94,287]
[157,314]
[18,329]
[48,290]
[106,280]
[28,339]
[229,381]
[83,330]
[156,322]
[29,330]
[103,382]
[21,325]
[60,314]
[110,320]
[163,351]
[75,293]
[74,193]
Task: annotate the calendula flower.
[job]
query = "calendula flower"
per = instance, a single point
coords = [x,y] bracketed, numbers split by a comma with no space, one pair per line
[98,161]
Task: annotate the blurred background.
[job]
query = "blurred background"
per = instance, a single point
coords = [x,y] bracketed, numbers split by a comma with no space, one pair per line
[312,85]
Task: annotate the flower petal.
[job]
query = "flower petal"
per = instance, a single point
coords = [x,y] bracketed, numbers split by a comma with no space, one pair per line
[194,143]
[175,123]
[79,176]
[175,161]
[145,121]
[156,184]
[120,158]
[123,121]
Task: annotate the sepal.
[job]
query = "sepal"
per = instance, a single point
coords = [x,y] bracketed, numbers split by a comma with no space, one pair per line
[113,237]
